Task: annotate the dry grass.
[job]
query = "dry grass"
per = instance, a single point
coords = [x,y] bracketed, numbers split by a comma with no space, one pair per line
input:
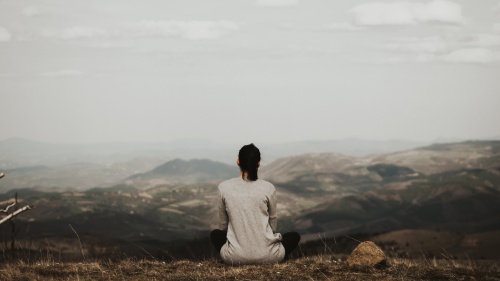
[321,267]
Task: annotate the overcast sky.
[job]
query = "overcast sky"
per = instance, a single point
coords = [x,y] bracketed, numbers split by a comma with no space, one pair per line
[239,71]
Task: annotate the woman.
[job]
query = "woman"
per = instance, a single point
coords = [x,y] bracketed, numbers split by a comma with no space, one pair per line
[247,213]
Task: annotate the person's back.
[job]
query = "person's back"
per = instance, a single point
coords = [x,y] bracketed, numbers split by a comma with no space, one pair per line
[247,212]
[250,207]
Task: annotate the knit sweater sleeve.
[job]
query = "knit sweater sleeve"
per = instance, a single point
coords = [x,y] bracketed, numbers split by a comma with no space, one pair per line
[271,207]
[223,217]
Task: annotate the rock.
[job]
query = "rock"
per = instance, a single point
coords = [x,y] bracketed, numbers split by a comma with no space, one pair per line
[367,254]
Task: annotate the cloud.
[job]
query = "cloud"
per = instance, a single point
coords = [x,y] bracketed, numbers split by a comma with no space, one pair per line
[30,11]
[62,73]
[418,45]
[4,35]
[286,26]
[108,45]
[191,30]
[485,40]
[441,45]
[277,3]
[496,27]
[476,49]
[387,61]
[407,13]
[464,55]
[76,32]
[344,26]
[473,55]
[497,7]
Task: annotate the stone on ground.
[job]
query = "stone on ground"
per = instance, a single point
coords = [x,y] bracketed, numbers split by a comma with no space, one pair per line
[367,254]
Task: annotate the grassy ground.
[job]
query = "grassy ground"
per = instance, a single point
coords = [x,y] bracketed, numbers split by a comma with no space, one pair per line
[306,268]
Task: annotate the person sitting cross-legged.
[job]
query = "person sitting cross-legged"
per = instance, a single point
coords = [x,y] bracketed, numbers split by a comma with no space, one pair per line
[247,213]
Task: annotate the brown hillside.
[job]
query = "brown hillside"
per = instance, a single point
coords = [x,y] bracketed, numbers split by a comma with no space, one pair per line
[445,157]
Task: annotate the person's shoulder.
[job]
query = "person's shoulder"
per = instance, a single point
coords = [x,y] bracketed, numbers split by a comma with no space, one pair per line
[227,183]
[266,184]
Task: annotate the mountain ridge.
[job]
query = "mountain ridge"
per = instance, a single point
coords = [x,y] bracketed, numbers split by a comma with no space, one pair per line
[185,171]
[317,193]
[19,152]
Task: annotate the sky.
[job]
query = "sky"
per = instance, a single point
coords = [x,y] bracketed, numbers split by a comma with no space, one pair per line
[240,71]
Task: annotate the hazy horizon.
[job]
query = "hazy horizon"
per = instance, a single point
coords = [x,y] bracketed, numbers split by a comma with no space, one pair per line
[191,141]
[262,71]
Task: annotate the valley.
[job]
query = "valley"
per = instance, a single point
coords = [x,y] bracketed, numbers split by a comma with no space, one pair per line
[443,191]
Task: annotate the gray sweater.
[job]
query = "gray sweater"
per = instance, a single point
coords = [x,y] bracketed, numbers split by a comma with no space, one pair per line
[247,210]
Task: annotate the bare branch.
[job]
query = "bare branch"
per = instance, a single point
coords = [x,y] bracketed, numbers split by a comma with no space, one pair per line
[23,209]
[8,207]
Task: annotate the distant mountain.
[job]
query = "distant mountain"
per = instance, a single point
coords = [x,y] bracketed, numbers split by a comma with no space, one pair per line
[186,172]
[16,153]
[464,201]
[289,168]
[336,169]
[79,176]
[83,166]
[319,174]
[452,186]
[163,213]
[350,147]
[443,157]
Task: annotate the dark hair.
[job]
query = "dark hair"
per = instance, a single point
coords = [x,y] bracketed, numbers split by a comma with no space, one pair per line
[249,157]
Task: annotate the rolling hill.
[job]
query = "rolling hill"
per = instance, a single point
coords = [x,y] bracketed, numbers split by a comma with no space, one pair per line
[452,187]
[18,152]
[74,176]
[180,171]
